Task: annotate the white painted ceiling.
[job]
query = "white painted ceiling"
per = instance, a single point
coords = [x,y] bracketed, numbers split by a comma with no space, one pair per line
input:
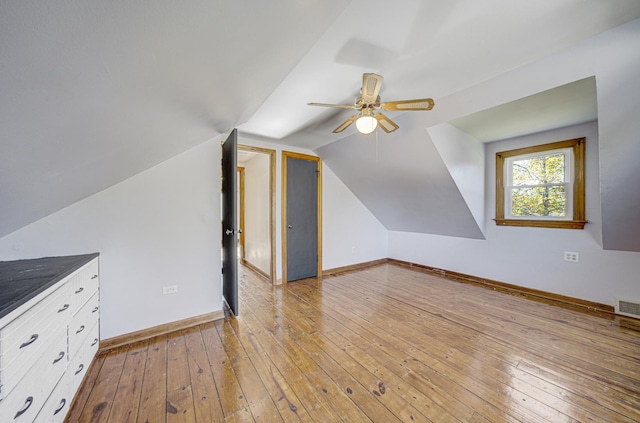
[567,105]
[93,92]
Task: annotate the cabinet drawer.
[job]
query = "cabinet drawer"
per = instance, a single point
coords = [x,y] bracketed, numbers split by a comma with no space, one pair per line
[84,320]
[82,360]
[55,353]
[24,402]
[84,284]
[57,405]
[54,307]
[21,349]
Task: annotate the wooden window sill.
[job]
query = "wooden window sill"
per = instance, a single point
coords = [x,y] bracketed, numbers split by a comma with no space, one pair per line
[566,224]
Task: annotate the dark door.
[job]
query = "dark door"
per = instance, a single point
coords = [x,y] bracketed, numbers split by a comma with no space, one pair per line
[302,218]
[230,222]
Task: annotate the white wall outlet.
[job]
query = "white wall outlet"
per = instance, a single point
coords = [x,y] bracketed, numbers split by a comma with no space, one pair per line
[171,289]
[353,249]
[571,256]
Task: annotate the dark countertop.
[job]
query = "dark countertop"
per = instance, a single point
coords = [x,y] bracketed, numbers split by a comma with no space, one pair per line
[21,280]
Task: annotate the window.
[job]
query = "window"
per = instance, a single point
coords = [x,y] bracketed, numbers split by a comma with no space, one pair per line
[541,186]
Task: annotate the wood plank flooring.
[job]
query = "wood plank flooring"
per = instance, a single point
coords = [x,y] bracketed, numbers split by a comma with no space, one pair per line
[385,344]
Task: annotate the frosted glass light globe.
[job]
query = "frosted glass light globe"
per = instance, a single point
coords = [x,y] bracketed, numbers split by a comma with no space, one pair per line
[366,124]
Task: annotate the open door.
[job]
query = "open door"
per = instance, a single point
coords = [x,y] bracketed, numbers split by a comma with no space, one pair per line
[230,222]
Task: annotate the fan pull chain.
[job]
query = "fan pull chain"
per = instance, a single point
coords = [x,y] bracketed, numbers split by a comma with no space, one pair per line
[376,146]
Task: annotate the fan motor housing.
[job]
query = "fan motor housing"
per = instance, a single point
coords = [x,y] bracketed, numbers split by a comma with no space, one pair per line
[360,103]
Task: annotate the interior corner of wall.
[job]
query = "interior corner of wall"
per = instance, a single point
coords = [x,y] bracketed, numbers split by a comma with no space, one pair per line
[464,158]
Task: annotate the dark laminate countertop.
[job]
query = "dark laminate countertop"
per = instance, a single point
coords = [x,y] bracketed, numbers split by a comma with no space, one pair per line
[21,280]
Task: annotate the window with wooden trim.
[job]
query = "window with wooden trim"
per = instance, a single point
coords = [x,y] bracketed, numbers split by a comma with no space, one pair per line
[542,186]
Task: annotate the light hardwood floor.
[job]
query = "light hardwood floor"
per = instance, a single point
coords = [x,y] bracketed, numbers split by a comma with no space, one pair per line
[385,344]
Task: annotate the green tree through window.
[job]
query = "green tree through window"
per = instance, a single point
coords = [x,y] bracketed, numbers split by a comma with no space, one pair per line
[538,186]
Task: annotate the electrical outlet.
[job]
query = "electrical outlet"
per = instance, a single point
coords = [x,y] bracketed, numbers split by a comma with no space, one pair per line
[571,256]
[171,289]
[353,249]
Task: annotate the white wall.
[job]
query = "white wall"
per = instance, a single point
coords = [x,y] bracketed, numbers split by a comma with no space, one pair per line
[533,257]
[160,227]
[464,157]
[403,179]
[614,58]
[351,233]
[257,234]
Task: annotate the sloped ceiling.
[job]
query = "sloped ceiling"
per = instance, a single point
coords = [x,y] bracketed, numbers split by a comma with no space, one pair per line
[432,180]
[423,49]
[567,105]
[93,92]
[404,181]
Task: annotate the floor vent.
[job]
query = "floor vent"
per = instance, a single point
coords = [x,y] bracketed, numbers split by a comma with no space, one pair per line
[628,308]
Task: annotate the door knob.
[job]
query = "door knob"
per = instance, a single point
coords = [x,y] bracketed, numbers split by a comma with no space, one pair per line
[290,227]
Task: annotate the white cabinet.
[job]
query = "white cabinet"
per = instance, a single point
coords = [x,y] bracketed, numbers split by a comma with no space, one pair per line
[47,345]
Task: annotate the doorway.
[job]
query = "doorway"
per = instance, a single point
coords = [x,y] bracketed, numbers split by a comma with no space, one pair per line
[301,216]
[241,212]
[258,210]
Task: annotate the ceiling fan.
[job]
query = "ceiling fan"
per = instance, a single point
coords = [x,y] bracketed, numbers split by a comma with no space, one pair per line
[368,101]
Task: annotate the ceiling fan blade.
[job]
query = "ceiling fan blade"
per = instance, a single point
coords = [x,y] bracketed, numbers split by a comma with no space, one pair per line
[337,106]
[346,123]
[385,123]
[371,84]
[418,104]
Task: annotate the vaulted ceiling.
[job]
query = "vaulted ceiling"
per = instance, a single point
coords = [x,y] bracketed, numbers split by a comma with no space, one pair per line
[93,92]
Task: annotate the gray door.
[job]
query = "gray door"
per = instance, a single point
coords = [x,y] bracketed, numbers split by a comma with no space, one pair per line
[230,222]
[302,219]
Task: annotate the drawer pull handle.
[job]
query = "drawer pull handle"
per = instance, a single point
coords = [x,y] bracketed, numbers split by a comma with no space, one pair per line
[30,341]
[94,309]
[60,357]
[80,367]
[62,404]
[25,407]
[79,290]
[94,276]
[95,341]
[80,330]
[64,307]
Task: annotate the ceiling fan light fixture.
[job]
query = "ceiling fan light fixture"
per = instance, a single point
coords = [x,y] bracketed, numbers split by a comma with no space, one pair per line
[366,124]
[368,101]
